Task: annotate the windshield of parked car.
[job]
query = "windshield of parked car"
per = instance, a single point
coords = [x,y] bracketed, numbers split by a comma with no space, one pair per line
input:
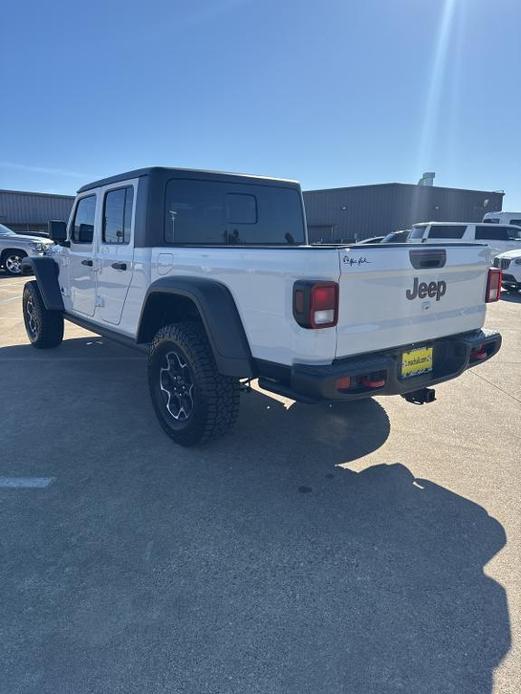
[417,232]
[4,231]
[396,237]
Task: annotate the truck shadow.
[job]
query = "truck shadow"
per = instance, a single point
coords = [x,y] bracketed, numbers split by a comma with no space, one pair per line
[512,298]
[253,564]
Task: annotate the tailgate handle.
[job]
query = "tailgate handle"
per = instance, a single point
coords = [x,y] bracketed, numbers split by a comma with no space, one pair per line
[425,259]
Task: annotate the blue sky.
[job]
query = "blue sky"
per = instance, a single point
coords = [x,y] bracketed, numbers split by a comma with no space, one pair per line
[331,92]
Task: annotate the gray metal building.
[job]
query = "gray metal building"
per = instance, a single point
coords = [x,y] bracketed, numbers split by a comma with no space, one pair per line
[358,212]
[23,211]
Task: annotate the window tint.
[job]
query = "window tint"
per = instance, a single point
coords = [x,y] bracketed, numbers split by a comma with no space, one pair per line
[491,233]
[241,209]
[83,226]
[446,231]
[492,220]
[417,232]
[215,212]
[516,222]
[117,215]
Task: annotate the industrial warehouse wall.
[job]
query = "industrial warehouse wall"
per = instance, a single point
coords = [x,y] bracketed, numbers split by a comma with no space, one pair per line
[23,211]
[356,213]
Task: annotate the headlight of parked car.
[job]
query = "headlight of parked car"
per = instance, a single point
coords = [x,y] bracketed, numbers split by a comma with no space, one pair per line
[39,247]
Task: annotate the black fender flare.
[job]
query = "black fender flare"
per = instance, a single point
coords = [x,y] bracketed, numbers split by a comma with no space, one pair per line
[220,318]
[46,271]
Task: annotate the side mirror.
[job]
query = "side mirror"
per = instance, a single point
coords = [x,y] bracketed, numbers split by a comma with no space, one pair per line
[57,231]
[86,233]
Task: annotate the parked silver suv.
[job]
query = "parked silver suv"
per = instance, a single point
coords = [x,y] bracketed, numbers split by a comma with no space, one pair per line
[15,247]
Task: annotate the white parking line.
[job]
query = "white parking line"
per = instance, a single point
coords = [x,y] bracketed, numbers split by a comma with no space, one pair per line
[6,301]
[25,482]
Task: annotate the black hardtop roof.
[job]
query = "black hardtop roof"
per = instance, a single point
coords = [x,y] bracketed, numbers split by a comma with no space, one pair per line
[165,172]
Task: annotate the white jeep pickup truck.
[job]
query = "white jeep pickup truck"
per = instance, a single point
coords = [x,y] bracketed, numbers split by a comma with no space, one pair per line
[212,273]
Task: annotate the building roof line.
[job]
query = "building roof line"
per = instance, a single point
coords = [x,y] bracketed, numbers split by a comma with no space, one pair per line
[408,185]
[29,192]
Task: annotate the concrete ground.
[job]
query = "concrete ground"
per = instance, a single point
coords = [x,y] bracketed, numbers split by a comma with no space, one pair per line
[372,547]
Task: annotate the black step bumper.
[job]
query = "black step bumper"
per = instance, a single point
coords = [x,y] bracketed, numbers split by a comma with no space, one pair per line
[451,357]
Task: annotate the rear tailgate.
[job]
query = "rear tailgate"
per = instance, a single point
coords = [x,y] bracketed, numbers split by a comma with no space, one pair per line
[392,295]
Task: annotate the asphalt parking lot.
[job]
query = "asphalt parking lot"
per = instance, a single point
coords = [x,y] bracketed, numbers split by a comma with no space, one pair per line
[372,547]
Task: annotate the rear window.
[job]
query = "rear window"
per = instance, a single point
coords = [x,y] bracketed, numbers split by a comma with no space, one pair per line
[216,213]
[492,233]
[447,231]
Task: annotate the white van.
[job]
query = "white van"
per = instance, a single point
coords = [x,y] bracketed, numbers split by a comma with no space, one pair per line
[498,237]
[503,218]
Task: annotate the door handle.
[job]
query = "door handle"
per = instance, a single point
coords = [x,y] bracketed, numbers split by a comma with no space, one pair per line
[119,266]
[87,262]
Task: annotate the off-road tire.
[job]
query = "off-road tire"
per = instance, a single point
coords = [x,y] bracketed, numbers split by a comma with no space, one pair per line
[44,328]
[12,262]
[215,398]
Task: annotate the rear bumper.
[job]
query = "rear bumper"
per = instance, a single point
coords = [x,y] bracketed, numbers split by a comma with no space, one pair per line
[451,357]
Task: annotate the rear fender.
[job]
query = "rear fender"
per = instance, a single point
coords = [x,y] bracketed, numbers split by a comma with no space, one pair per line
[219,315]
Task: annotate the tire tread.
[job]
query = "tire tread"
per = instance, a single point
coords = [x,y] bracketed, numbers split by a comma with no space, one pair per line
[221,393]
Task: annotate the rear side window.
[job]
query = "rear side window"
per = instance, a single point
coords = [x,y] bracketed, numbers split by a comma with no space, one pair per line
[217,213]
[491,232]
[83,225]
[447,231]
[516,222]
[117,215]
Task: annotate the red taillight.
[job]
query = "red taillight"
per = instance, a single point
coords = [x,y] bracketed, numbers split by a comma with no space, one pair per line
[324,302]
[493,285]
[315,304]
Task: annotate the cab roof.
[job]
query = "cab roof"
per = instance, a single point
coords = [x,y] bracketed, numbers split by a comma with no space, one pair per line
[168,172]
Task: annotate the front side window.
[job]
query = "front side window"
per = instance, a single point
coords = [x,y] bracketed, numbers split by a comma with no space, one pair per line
[447,231]
[491,233]
[84,217]
[516,222]
[117,215]
[217,213]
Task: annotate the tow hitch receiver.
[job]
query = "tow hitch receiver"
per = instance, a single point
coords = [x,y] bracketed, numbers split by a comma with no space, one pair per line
[419,397]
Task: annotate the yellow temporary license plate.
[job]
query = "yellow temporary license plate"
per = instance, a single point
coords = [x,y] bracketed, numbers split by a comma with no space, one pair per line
[416,362]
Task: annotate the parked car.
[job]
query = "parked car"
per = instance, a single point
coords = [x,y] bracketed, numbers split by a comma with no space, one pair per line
[372,239]
[503,218]
[510,264]
[15,247]
[499,238]
[212,274]
[401,236]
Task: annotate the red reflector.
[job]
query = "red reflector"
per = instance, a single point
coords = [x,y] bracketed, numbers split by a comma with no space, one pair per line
[493,285]
[372,383]
[478,353]
[343,383]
